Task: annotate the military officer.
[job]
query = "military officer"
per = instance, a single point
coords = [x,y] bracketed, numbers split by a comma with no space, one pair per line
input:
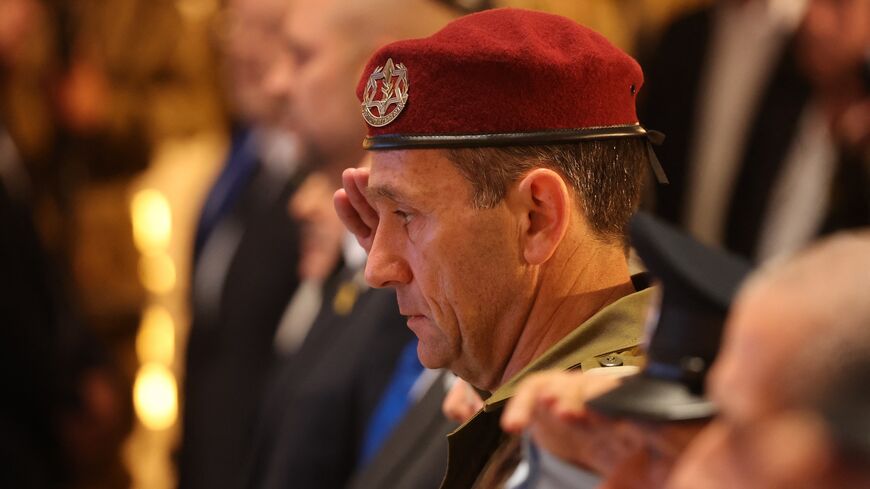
[507,159]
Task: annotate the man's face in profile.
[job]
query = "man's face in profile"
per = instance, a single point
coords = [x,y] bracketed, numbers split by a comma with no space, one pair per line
[457,269]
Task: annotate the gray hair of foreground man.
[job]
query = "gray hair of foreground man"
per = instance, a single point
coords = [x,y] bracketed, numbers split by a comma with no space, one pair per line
[795,330]
[606,175]
[829,283]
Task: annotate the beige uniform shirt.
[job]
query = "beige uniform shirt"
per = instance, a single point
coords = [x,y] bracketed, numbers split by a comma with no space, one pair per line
[610,337]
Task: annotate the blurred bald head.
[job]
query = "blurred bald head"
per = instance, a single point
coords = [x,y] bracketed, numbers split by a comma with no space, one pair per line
[810,313]
[327,43]
[797,326]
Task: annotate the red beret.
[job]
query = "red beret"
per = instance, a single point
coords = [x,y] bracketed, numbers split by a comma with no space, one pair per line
[500,77]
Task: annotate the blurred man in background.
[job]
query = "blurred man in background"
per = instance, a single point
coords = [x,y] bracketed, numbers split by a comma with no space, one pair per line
[797,330]
[833,50]
[754,161]
[246,258]
[324,416]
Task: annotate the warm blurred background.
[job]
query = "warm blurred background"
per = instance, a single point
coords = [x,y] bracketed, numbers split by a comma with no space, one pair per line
[117,117]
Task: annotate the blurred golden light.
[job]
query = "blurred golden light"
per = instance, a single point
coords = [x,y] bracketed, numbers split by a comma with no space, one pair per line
[152,221]
[156,339]
[157,273]
[196,10]
[155,396]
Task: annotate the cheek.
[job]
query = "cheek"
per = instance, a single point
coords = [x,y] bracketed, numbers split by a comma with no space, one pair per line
[469,276]
[467,273]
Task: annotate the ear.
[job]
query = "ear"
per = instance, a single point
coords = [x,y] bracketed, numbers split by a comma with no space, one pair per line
[543,200]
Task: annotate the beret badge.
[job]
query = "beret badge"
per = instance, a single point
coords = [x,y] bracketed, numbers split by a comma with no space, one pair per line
[386,94]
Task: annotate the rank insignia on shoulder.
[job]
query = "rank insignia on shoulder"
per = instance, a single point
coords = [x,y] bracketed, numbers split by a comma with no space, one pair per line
[386,93]
[611,360]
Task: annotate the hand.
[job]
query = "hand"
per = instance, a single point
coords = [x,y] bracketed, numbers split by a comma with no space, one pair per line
[322,232]
[354,210]
[461,402]
[563,394]
[551,406]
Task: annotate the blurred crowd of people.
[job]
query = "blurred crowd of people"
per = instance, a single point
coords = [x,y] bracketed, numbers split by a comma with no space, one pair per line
[300,370]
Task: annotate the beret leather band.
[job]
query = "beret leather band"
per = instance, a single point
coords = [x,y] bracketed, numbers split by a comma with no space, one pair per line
[435,141]
[429,141]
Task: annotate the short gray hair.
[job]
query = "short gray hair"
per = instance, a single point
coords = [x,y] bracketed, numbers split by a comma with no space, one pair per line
[607,175]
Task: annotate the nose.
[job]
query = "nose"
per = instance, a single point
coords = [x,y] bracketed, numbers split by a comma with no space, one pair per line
[278,82]
[386,267]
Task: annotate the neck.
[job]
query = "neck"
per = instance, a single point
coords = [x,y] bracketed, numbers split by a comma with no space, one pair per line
[573,286]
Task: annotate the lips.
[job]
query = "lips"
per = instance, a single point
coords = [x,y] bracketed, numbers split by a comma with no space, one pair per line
[409,308]
[415,320]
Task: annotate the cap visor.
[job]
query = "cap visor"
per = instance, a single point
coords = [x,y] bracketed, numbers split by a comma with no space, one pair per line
[650,399]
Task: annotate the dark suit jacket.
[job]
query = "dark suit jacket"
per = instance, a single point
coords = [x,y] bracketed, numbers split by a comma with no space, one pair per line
[414,456]
[230,352]
[313,422]
[29,371]
[44,350]
[669,103]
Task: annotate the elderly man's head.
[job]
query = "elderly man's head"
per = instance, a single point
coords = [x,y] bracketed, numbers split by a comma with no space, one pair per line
[794,328]
[326,44]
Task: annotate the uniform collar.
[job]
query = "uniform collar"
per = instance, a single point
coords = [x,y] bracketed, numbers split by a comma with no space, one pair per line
[614,328]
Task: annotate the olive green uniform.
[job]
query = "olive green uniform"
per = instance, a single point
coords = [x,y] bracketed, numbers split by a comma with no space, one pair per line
[610,337]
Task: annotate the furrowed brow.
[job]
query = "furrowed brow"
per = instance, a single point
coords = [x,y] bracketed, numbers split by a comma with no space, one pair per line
[384,192]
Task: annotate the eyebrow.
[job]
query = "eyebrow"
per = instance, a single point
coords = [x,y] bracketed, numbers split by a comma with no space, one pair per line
[380,192]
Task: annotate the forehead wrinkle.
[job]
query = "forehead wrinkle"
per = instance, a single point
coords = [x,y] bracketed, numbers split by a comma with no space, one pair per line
[384,192]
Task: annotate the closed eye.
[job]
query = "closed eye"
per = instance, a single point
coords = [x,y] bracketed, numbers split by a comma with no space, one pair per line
[403,216]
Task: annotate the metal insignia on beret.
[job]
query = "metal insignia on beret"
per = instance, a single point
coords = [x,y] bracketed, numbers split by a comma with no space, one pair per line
[386,93]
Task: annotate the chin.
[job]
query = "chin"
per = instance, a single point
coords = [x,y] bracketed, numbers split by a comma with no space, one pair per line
[431,358]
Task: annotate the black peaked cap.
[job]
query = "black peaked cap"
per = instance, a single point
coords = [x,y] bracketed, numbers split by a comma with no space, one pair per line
[698,284]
